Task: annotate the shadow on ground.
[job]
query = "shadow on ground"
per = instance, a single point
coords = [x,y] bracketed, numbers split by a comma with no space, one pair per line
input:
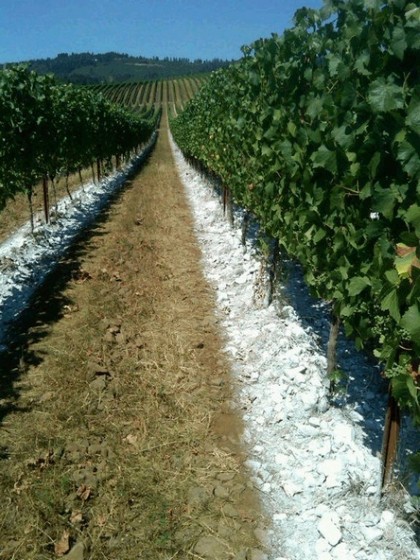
[46,307]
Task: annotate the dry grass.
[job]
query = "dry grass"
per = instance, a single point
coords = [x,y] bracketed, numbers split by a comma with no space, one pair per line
[116,426]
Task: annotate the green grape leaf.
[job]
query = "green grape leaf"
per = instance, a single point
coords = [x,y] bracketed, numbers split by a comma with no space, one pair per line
[357,284]
[390,303]
[385,96]
[413,116]
[398,42]
[326,158]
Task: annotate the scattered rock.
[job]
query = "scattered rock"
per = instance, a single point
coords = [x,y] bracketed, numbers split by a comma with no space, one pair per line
[226,476]
[291,488]
[262,536]
[225,530]
[342,552]
[120,338]
[229,511]
[108,337]
[197,497]
[95,368]
[98,384]
[387,518]
[210,548]
[76,553]
[46,397]
[372,533]
[329,530]
[221,492]
[323,405]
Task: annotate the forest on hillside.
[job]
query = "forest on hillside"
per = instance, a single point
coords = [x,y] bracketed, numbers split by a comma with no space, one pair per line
[90,68]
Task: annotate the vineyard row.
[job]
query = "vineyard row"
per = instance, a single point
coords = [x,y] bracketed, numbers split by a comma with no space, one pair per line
[50,130]
[317,133]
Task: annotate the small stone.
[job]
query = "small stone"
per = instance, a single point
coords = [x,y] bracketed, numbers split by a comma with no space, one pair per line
[262,536]
[253,465]
[320,446]
[343,434]
[46,397]
[309,400]
[197,497]
[225,476]
[109,337]
[98,384]
[76,553]
[221,492]
[343,552]
[322,546]
[329,530]
[282,459]
[331,468]
[321,509]
[210,548]
[372,533]
[308,430]
[323,405]
[95,368]
[291,489]
[218,382]
[120,338]
[229,511]
[387,518]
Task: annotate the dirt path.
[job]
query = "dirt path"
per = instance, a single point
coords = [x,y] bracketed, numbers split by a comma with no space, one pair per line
[117,441]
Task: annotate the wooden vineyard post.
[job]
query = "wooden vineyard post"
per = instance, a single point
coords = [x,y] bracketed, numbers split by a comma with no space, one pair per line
[93,172]
[46,201]
[245,223]
[272,273]
[332,350]
[67,186]
[31,207]
[227,204]
[390,440]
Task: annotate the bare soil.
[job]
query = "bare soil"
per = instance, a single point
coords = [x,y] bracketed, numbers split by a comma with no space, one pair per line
[116,437]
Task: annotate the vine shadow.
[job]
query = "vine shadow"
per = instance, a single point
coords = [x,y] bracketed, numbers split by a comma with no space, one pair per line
[47,305]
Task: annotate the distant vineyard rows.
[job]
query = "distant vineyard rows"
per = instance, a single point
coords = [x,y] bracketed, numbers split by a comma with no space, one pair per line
[145,95]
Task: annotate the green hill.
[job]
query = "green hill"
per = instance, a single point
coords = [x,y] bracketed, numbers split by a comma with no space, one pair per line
[116,67]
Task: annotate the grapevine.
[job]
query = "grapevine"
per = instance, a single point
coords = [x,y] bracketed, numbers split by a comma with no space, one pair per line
[317,133]
[49,129]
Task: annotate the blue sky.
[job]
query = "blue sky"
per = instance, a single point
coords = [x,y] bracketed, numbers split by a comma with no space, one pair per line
[175,28]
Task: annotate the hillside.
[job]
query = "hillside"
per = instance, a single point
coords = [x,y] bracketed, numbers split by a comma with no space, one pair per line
[116,67]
